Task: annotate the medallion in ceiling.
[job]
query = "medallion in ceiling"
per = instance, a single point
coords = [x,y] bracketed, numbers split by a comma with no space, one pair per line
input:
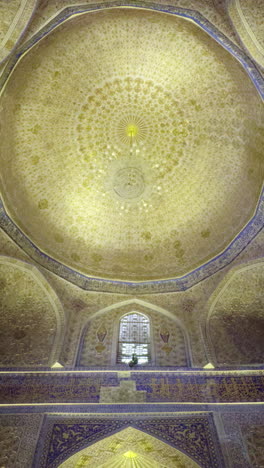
[131,145]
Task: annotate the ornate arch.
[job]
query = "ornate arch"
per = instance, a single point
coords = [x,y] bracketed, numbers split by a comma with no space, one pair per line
[130,443]
[128,306]
[236,310]
[25,276]
[193,435]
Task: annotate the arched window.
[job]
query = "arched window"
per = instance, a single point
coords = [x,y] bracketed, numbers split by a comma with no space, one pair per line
[134,338]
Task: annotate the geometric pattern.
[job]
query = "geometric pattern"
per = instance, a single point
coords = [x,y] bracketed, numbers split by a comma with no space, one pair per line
[157,386]
[192,434]
[177,284]
[113,450]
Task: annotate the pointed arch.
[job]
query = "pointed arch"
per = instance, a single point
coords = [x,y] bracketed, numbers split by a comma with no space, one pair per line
[235,319]
[157,314]
[129,443]
[134,338]
[33,321]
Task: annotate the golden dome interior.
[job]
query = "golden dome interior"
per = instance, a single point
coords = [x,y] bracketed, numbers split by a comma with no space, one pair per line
[131,149]
[139,162]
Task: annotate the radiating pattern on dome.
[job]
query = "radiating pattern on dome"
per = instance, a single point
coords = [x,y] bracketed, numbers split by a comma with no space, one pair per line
[124,157]
[129,448]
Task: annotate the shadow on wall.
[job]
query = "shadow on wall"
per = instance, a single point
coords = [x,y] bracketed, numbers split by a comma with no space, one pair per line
[235,323]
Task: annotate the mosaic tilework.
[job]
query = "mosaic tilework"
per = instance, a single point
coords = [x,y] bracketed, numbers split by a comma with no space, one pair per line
[255,439]
[199,388]
[173,353]
[18,439]
[54,388]
[235,323]
[244,436]
[193,434]
[113,450]
[159,387]
[209,9]
[126,392]
[10,437]
[178,284]
[130,407]
[179,183]
[239,427]
[35,338]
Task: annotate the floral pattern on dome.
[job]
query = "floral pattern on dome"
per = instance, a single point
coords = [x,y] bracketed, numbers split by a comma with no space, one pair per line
[67,151]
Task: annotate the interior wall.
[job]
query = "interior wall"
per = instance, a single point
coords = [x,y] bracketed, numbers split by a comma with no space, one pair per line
[98,346]
[239,433]
[240,429]
[235,324]
[31,317]
[190,307]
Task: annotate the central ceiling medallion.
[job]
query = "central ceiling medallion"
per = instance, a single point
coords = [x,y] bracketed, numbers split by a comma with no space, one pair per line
[129,183]
[130,148]
[132,128]
[130,454]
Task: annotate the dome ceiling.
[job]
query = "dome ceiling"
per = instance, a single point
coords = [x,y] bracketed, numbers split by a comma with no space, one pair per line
[130,145]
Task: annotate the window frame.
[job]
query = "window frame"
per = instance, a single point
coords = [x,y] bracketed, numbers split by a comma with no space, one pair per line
[115,349]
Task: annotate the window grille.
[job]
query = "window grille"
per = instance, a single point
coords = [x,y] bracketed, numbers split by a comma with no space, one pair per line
[134,338]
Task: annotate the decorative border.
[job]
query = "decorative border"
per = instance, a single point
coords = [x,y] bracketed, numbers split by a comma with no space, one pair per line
[77,388]
[244,31]
[235,426]
[128,408]
[17,27]
[239,243]
[174,429]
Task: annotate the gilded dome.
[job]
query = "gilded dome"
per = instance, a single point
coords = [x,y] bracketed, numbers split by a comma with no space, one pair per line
[131,145]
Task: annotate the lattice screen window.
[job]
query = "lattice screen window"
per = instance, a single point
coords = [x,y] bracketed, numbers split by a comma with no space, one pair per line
[134,338]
